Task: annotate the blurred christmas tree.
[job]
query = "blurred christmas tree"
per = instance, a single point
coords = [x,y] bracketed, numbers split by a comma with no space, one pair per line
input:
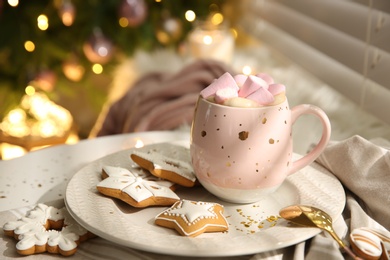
[58,45]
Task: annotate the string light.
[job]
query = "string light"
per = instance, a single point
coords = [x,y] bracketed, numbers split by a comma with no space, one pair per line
[72,69]
[190,16]
[13,3]
[30,90]
[247,70]
[16,116]
[217,19]
[102,51]
[67,19]
[207,39]
[43,22]
[67,13]
[123,22]
[29,46]
[97,68]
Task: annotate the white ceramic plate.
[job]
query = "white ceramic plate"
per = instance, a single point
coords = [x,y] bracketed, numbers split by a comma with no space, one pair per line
[251,228]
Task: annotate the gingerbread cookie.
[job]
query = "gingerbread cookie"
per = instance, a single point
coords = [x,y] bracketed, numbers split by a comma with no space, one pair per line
[192,218]
[46,229]
[166,161]
[137,188]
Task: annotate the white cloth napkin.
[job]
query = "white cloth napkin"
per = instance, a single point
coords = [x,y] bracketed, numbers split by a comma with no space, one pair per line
[363,167]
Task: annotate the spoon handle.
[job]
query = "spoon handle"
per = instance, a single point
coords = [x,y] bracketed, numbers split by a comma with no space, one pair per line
[336,237]
[342,245]
[352,254]
[385,254]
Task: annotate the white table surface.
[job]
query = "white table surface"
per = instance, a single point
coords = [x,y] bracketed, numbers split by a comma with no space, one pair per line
[42,176]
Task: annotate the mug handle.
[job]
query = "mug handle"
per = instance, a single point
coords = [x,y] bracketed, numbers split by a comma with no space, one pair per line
[296,112]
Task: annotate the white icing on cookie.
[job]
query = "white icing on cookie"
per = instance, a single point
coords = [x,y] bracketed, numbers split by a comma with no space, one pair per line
[203,214]
[138,185]
[31,231]
[191,212]
[168,162]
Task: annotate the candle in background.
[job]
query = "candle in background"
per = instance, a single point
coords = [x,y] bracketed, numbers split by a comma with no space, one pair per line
[212,41]
[36,123]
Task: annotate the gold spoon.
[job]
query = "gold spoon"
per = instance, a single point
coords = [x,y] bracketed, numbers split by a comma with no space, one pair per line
[313,217]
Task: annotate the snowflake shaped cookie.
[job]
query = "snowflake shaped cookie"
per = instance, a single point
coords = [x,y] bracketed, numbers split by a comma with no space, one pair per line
[136,188]
[192,218]
[46,229]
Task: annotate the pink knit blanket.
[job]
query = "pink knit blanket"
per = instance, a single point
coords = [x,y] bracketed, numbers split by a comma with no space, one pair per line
[159,101]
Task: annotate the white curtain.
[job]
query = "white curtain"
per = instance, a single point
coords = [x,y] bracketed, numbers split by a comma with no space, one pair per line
[345,43]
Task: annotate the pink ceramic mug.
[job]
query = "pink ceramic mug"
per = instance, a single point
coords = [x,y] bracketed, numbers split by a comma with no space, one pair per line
[242,154]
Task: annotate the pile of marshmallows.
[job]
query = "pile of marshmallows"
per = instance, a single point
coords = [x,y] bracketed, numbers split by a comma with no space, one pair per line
[245,91]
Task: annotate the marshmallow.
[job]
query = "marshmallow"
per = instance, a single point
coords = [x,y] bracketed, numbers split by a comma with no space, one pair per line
[251,85]
[224,81]
[240,79]
[267,78]
[241,102]
[262,96]
[279,98]
[223,94]
[276,89]
[245,91]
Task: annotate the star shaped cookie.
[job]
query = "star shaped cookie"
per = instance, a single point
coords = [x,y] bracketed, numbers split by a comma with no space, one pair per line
[137,188]
[192,218]
[167,161]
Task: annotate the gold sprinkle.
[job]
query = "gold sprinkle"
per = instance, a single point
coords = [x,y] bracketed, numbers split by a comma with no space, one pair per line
[271,141]
[272,218]
[243,135]
[264,120]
